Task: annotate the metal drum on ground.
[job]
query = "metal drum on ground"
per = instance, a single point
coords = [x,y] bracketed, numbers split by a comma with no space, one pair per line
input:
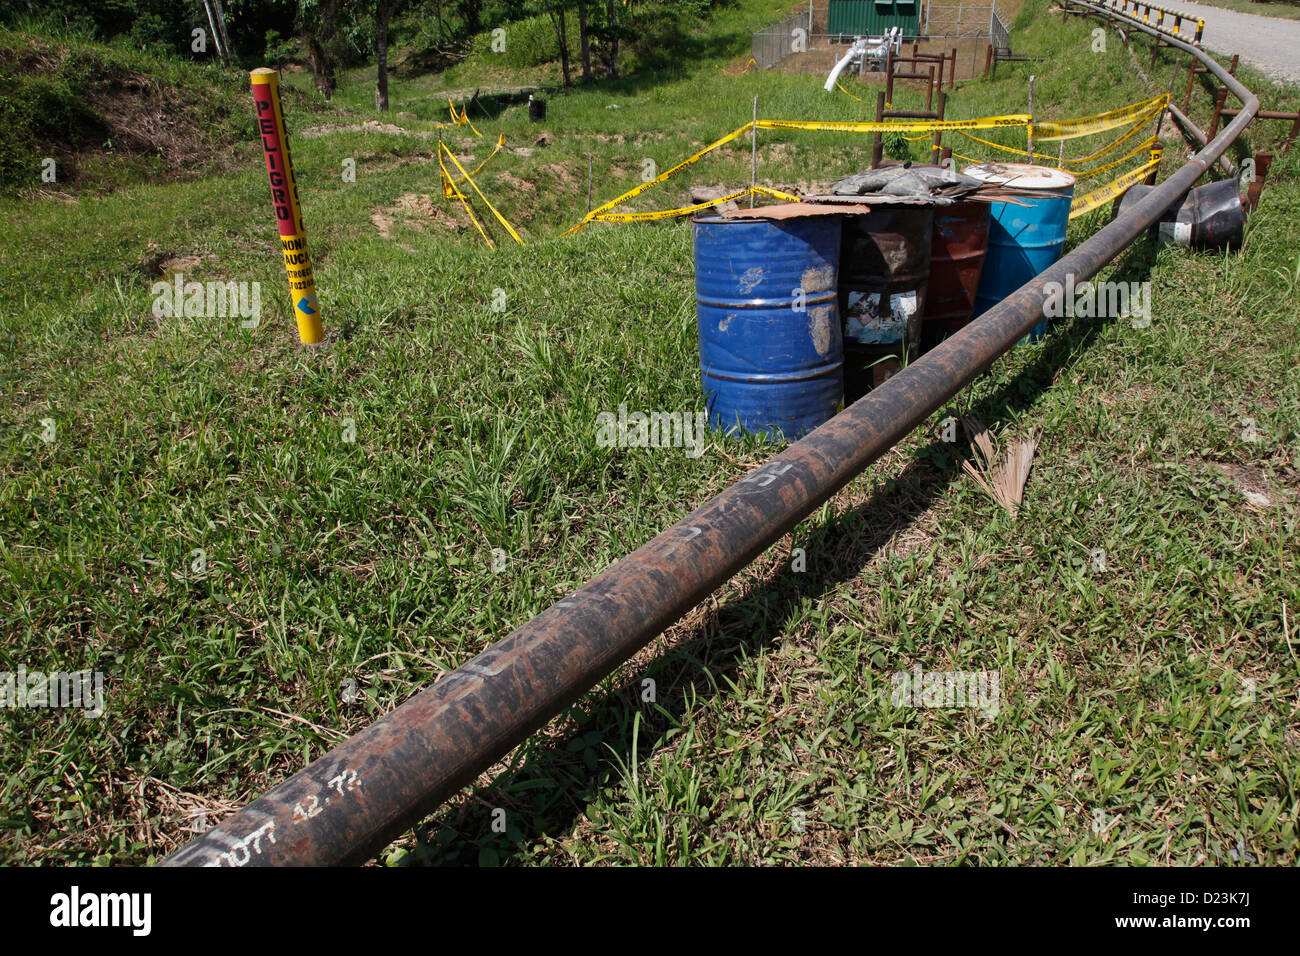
[1208,217]
[771,350]
[957,249]
[1025,237]
[884,271]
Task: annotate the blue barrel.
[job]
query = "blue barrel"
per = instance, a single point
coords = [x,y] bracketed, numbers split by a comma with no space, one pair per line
[1023,240]
[771,347]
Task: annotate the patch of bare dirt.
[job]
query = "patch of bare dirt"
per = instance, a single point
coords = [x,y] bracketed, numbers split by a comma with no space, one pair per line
[415,204]
[514,182]
[1249,482]
[416,211]
[561,172]
[157,261]
[369,126]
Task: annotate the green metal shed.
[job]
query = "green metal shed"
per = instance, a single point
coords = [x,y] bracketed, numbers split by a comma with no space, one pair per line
[874,17]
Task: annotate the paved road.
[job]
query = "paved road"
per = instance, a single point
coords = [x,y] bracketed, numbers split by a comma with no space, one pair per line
[1270,44]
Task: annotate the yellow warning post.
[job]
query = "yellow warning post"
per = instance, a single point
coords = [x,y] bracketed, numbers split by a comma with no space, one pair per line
[284,200]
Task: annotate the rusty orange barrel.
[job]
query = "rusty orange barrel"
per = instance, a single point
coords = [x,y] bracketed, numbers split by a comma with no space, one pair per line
[957,247]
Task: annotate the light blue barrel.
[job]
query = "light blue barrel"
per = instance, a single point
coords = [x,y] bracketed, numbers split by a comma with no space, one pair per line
[771,347]
[1023,239]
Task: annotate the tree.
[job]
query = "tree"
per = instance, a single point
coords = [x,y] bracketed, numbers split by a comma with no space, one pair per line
[384,10]
[584,38]
[609,48]
[471,14]
[317,22]
[558,18]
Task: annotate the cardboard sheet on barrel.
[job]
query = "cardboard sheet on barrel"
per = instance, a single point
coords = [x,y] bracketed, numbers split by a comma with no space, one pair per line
[797,210]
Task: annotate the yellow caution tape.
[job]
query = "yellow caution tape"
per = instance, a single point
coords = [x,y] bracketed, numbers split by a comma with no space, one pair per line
[690,160]
[461,196]
[1142,147]
[901,126]
[1136,113]
[1099,197]
[1099,122]
[1001,146]
[1073,161]
[448,183]
[462,119]
[668,213]
[1137,127]
[687,210]
[487,202]
[843,90]
[1078,160]
[774,194]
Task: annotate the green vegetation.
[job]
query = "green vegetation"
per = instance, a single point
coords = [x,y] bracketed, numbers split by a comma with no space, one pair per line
[110,115]
[232,527]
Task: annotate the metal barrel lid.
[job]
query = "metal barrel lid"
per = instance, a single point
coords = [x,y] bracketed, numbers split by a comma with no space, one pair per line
[1020,176]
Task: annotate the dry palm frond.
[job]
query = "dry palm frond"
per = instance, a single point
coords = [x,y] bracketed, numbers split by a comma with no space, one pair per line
[1003,481]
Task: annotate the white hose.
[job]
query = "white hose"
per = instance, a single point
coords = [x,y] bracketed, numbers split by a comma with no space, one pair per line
[854,50]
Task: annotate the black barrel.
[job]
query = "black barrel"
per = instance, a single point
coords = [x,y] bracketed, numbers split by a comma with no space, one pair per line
[884,271]
[1208,217]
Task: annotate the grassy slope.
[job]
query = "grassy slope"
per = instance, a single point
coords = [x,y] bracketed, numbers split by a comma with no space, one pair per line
[371,560]
[112,116]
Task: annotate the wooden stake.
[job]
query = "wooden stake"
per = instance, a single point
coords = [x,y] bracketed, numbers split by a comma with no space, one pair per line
[878,143]
[1191,79]
[1218,108]
[936,145]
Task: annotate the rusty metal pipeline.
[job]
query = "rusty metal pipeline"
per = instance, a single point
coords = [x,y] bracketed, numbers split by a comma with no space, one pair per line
[348,804]
[1197,135]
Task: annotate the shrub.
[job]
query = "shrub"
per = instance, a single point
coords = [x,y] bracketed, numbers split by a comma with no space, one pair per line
[280,50]
[528,42]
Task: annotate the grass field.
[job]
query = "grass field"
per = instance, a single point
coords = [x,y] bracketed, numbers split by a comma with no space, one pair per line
[236,530]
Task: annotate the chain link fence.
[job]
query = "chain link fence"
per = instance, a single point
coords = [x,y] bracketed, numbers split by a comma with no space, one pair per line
[999,33]
[961,20]
[774,43]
